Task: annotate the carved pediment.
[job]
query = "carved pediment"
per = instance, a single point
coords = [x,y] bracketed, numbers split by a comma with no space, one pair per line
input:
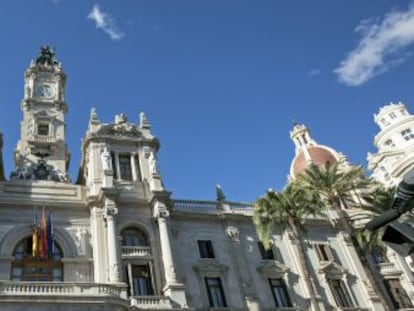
[272,268]
[333,270]
[210,266]
[120,130]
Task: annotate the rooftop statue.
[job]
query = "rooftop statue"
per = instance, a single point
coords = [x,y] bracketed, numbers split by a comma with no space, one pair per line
[46,56]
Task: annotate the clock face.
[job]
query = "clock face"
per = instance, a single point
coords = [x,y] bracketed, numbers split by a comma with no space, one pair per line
[45,91]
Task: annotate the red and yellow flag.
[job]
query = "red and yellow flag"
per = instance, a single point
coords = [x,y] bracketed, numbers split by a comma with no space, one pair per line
[43,236]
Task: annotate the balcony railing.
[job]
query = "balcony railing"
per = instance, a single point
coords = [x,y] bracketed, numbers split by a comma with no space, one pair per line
[151,302]
[42,138]
[61,289]
[387,267]
[212,206]
[136,251]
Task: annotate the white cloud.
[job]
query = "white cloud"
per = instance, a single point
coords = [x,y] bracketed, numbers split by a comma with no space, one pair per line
[383,45]
[105,22]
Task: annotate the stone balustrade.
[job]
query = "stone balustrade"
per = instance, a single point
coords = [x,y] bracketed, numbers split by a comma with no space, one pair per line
[212,206]
[62,289]
[387,267]
[42,138]
[136,251]
[151,302]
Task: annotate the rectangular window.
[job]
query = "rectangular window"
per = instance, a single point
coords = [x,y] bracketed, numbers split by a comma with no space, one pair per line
[279,292]
[206,249]
[378,255]
[340,293]
[125,167]
[407,134]
[215,293]
[114,168]
[139,280]
[398,294]
[43,129]
[266,254]
[324,252]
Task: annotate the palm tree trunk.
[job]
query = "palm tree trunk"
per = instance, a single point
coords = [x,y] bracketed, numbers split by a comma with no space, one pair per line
[299,242]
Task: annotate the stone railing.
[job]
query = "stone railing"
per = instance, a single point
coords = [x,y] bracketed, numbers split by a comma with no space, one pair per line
[285,309]
[151,302]
[136,251]
[42,138]
[386,267]
[349,309]
[61,289]
[212,206]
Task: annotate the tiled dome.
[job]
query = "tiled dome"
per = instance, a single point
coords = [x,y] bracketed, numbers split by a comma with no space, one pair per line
[319,156]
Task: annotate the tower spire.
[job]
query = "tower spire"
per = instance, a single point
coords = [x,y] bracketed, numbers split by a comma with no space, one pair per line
[41,152]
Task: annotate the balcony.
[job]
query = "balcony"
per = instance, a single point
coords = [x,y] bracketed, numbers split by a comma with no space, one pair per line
[136,251]
[61,288]
[386,268]
[151,302]
[42,138]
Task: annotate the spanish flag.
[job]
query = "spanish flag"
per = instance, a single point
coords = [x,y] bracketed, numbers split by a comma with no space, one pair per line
[35,235]
[35,242]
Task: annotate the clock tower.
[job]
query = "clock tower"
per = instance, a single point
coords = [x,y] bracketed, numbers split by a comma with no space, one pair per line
[41,152]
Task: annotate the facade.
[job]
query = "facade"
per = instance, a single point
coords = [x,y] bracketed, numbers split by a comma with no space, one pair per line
[116,239]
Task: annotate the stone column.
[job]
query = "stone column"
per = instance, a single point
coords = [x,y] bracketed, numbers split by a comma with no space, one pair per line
[246,284]
[133,167]
[98,244]
[173,289]
[112,241]
[170,275]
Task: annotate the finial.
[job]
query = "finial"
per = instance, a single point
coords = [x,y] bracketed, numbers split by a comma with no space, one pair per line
[94,115]
[143,121]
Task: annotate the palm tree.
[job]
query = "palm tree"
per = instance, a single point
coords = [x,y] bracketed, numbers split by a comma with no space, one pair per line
[378,201]
[285,209]
[338,186]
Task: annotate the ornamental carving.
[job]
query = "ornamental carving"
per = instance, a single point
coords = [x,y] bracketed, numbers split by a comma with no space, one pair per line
[40,171]
[120,130]
[233,233]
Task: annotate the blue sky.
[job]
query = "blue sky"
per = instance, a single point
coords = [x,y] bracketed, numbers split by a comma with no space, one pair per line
[220,80]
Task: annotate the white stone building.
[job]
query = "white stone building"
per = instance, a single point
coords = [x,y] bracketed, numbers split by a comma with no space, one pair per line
[395,144]
[121,242]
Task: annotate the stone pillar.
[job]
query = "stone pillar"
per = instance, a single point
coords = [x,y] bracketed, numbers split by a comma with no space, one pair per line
[368,292]
[133,167]
[97,233]
[170,275]
[173,289]
[112,241]
[246,284]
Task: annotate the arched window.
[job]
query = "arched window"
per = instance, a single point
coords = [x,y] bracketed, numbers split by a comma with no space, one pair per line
[137,260]
[134,237]
[28,266]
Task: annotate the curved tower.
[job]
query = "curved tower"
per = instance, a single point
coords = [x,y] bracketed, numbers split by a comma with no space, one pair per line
[394,143]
